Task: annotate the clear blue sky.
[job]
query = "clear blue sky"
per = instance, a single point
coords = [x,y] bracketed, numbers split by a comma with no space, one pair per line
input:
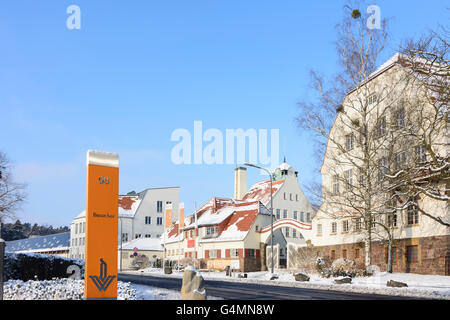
[137,70]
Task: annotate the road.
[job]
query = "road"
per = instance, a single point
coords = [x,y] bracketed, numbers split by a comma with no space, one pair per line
[250,291]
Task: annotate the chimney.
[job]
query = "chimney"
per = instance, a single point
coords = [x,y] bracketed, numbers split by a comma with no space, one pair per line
[240,182]
[181,216]
[168,219]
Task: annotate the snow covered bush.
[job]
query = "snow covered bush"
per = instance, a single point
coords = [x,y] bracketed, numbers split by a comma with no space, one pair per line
[57,289]
[323,267]
[32,266]
[346,268]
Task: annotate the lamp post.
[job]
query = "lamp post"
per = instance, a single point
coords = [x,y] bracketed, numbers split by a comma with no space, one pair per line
[271,205]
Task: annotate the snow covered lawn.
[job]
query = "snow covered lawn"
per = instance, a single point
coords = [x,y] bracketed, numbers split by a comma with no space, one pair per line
[426,286]
[68,289]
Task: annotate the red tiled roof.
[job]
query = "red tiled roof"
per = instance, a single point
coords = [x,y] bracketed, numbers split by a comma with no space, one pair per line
[125,202]
[261,191]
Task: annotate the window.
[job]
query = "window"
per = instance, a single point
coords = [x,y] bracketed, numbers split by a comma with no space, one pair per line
[308,217]
[252,253]
[349,141]
[380,129]
[295,215]
[213,253]
[335,184]
[284,214]
[138,235]
[372,99]
[234,253]
[124,237]
[319,229]
[159,221]
[148,235]
[148,220]
[301,217]
[362,178]
[348,178]
[290,196]
[344,253]
[383,168]
[294,233]
[392,220]
[356,253]
[256,228]
[400,117]
[84,227]
[420,153]
[332,255]
[287,232]
[296,197]
[159,205]
[333,227]
[345,227]
[400,160]
[411,254]
[394,255]
[284,195]
[413,212]
[212,231]
[278,213]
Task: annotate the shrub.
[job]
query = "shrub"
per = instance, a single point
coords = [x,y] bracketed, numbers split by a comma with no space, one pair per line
[34,266]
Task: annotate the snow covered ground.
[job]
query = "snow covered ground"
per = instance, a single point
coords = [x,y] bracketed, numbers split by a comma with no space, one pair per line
[68,289]
[426,286]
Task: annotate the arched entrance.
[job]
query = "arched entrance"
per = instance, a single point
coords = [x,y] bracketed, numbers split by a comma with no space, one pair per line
[280,251]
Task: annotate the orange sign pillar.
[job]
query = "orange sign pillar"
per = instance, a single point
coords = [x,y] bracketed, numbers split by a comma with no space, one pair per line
[102,197]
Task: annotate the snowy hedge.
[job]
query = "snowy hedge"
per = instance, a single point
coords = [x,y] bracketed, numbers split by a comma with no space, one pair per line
[33,266]
[57,289]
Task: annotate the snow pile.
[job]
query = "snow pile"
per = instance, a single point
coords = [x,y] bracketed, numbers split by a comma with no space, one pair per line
[426,286]
[57,289]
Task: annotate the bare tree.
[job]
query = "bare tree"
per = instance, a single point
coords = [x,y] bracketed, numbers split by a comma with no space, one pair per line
[12,194]
[427,172]
[347,116]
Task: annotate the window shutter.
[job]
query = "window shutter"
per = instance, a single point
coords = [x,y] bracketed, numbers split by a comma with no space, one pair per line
[246,253]
[227,253]
[241,253]
[207,254]
[257,253]
[218,253]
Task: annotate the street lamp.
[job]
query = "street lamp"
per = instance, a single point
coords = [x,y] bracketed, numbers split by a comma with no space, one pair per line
[271,204]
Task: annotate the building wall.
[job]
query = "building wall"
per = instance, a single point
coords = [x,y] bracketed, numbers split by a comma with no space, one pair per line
[131,226]
[127,257]
[299,203]
[430,236]
[433,254]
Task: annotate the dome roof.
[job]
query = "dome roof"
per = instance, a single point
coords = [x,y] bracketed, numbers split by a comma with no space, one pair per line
[285,166]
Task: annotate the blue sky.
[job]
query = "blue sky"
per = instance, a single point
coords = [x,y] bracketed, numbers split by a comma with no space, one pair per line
[138,70]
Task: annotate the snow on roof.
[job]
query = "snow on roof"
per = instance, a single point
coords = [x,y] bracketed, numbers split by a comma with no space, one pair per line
[238,217]
[261,191]
[59,241]
[240,222]
[154,244]
[128,205]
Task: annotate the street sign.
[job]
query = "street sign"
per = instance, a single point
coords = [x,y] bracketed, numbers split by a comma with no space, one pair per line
[102,199]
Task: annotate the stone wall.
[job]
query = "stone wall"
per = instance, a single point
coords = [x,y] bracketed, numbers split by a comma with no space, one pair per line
[433,254]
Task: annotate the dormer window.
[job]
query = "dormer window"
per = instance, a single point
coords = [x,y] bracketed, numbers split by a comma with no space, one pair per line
[212,231]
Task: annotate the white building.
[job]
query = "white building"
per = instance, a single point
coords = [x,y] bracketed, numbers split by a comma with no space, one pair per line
[236,231]
[141,215]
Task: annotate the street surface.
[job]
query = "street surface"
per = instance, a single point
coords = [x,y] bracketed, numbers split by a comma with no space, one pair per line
[250,291]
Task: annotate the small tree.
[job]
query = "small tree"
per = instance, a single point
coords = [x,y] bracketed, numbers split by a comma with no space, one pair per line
[12,194]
